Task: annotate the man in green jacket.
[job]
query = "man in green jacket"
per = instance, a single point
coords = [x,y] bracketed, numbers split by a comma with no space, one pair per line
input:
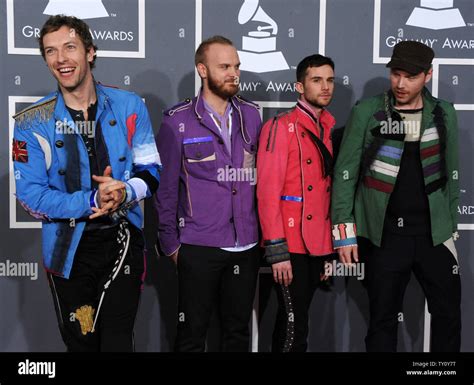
[396,184]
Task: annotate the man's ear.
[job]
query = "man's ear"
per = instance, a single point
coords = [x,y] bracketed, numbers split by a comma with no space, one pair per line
[299,87]
[429,75]
[90,54]
[202,70]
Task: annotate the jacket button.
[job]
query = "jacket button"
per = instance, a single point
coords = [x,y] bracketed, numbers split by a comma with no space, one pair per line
[122,158]
[59,143]
[234,191]
[231,220]
[220,141]
[310,188]
[113,122]
[62,172]
[309,161]
[309,217]
[303,134]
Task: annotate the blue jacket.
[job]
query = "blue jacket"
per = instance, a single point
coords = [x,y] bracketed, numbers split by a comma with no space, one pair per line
[43,164]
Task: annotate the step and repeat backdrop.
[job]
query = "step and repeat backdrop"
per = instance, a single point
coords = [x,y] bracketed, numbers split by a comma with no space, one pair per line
[147,46]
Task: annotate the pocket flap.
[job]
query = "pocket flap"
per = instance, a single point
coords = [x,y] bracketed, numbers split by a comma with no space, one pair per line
[199,149]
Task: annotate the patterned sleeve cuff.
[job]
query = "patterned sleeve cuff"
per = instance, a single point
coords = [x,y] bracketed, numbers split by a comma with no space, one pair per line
[344,235]
[276,250]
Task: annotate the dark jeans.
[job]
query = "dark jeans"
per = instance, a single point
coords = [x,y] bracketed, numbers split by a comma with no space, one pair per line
[388,271]
[93,262]
[210,277]
[291,326]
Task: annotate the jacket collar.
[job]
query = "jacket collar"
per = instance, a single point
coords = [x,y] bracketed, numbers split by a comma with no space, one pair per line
[205,119]
[325,118]
[61,112]
[430,105]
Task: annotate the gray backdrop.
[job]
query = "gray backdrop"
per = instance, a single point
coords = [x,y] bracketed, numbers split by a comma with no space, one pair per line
[148,46]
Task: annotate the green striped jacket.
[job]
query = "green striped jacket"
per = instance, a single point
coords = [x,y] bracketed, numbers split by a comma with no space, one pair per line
[368,163]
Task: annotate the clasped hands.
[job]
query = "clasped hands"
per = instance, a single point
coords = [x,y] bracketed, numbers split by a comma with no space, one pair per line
[110,194]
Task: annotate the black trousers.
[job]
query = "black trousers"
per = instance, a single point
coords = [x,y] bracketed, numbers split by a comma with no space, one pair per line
[93,262]
[388,271]
[209,277]
[291,326]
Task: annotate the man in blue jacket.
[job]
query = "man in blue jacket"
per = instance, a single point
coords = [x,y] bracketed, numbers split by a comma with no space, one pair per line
[84,156]
[206,201]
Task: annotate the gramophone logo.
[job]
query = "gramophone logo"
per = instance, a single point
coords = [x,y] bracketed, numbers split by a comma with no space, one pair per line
[259,52]
[436,14]
[83,9]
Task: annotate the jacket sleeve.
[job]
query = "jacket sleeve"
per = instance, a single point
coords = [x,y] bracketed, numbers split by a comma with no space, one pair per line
[167,197]
[272,160]
[33,190]
[345,179]
[146,159]
[452,163]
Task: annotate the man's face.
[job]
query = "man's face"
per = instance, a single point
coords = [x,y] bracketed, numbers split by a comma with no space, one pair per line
[221,70]
[67,58]
[407,87]
[318,86]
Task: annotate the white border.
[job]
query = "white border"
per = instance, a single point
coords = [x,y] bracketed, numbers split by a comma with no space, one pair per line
[377,59]
[14,224]
[140,54]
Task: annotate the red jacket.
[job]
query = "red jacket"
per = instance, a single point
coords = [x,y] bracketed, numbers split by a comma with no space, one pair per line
[293,193]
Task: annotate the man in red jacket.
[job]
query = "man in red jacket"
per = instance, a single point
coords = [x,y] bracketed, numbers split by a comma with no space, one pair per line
[294,163]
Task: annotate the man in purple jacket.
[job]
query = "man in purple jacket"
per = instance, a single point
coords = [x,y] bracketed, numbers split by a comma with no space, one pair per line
[206,201]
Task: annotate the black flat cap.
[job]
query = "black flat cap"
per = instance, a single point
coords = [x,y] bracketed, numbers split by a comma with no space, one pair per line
[412,57]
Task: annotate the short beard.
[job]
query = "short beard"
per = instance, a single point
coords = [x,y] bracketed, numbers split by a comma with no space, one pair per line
[314,103]
[220,90]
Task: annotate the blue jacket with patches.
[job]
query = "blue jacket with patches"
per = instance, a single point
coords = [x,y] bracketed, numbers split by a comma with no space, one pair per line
[44,166]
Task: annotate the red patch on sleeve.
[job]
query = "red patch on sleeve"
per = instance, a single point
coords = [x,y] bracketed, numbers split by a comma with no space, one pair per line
[131,127]
[19,151]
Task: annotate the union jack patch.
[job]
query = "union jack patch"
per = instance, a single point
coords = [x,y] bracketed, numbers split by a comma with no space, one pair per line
[19,151]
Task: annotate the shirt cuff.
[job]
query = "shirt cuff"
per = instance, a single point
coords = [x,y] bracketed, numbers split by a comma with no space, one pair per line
[138,189]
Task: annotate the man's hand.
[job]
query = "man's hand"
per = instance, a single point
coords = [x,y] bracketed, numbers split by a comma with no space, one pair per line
[109,194]
[282,272]
[348,254]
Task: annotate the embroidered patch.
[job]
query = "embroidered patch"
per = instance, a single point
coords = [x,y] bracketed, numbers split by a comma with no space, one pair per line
[85,316]
[19,151]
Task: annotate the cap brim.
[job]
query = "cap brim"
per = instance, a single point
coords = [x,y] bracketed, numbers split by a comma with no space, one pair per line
[404,66]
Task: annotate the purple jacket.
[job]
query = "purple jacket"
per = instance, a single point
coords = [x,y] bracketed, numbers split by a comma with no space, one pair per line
[206,196]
